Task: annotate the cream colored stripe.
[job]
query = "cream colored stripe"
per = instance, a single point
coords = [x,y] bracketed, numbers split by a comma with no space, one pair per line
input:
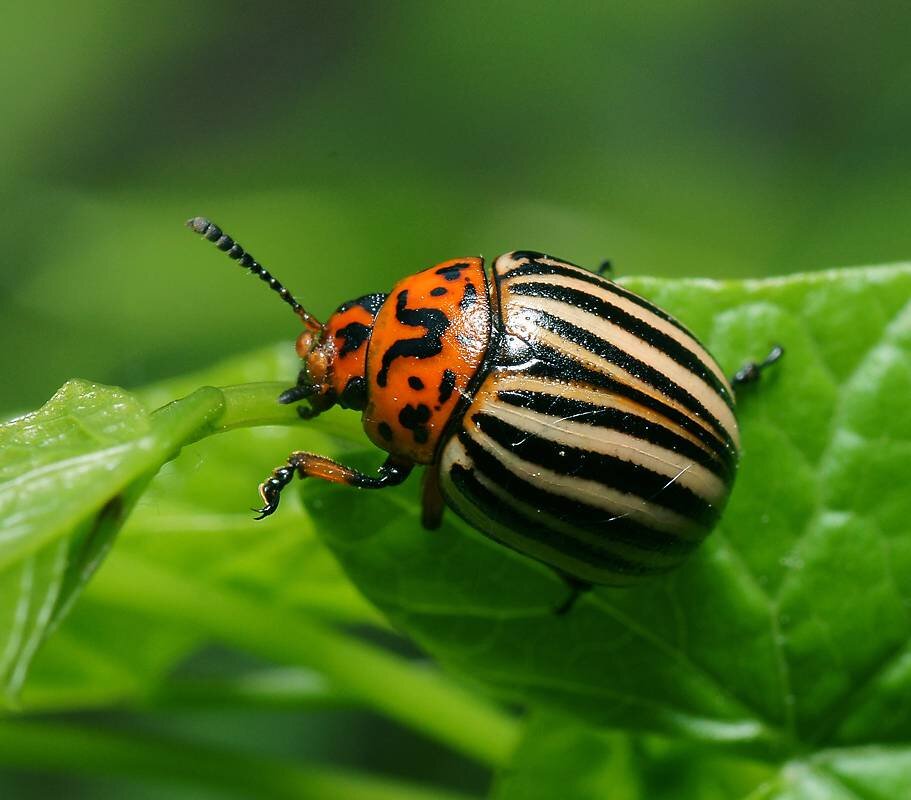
[454,452]
[585,357]
[600,397]
[608,442]
[650,318]
[651,559]
[594,493]
[508,380]
[518,315]
[506,262]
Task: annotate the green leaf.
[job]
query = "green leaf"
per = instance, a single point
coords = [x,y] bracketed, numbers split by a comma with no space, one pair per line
[194,517]
[559,757]
[789,630]
[785,637]
[69,473]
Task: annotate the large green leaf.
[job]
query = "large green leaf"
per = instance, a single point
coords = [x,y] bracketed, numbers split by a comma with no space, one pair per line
[785,636]
[789,630]
[68,475]
[195,518]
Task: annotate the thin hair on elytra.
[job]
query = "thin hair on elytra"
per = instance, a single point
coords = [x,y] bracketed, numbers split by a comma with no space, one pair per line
[209,230]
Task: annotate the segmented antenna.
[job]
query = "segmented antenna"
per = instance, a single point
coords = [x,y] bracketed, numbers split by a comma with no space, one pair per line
[223,242]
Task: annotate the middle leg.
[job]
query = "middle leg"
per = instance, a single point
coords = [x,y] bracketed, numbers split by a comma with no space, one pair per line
[309,465]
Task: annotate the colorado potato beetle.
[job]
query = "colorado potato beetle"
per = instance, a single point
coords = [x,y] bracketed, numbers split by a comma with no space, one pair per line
[555,411]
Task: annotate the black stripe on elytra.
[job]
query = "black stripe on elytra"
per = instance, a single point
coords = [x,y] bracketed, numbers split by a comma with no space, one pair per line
[415,383]
[438,291]
[447,384]
[369,302]
[430,344]
[634,366]
[637,327]
[531,255]
[573,513]
[354,336]
[453,271]
[470,297]
[612,472]
[573,271]
[611,418]
[540,361]
[479,496]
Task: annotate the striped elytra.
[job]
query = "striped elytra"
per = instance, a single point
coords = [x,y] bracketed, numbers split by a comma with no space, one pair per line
[601,439]
[555,411]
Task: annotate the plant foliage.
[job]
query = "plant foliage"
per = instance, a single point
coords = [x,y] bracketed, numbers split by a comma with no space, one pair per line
[774,664]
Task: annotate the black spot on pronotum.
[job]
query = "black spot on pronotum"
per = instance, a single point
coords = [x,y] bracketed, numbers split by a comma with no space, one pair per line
[434,321]
[385,431]
[470,297]
[353,336]
[415,419]
[415,383]
[447,384]
[452,272]
[439,291]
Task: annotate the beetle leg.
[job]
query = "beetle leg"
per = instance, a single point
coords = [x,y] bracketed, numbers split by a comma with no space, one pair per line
[576,589]
[309,465]
[432,503]
[751,371]
[606,268]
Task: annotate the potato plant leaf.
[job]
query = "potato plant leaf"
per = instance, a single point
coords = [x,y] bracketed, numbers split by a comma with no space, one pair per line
[69,473]
[784,641]
[559,757]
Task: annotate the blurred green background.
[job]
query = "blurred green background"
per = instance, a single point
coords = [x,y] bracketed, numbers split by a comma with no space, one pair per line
[348,144]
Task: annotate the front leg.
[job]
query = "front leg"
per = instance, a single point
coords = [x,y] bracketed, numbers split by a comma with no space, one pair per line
[309,465]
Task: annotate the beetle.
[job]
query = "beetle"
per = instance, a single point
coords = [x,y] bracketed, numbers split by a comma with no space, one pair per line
[554,410]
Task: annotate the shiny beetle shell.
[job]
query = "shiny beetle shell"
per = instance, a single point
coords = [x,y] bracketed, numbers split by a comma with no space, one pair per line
[601,437]
[564,416]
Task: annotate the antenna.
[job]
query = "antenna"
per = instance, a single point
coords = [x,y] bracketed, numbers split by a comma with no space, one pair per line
[222,241]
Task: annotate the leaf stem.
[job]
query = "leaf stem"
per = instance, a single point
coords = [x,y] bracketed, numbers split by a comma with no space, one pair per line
[68,748]
[417,697]
[250,405]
